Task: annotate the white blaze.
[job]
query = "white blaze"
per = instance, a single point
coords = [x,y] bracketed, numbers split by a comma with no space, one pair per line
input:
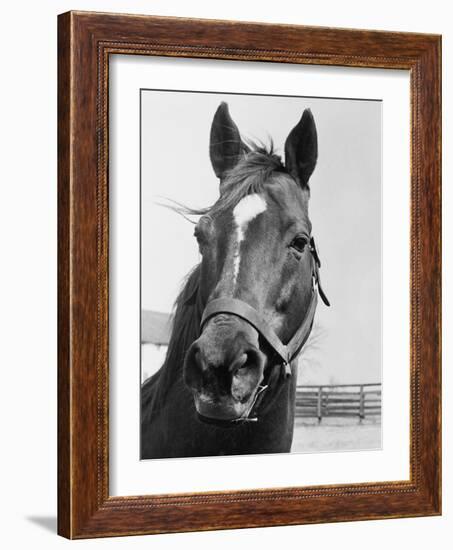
[244,212]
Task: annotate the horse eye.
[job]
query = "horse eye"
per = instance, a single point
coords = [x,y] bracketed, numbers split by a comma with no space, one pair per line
[196,233]
[202,228]
[299,244]
[199,235]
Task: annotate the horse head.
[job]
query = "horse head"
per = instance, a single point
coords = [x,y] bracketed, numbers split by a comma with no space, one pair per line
[259,269]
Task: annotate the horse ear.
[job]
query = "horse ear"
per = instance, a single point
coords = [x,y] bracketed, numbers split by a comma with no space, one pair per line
[225,145]
[301,149]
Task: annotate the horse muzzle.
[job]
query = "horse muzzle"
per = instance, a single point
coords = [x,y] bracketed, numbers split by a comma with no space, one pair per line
[224,369]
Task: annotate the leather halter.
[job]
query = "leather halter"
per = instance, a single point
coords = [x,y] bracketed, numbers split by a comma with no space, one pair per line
[285,352]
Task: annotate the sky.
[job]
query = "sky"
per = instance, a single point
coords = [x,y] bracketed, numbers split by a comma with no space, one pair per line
[345,210]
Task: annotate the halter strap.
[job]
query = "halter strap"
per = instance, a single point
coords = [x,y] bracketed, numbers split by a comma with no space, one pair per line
[249,314]
[241,309]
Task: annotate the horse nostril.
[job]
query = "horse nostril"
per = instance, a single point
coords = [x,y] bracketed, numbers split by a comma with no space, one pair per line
[247,374]
[208,372]
[193,367]
[239,363]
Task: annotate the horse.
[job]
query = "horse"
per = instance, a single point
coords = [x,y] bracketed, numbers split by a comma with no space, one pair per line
[228,382]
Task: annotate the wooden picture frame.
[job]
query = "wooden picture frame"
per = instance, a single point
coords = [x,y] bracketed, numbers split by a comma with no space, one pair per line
[85,42]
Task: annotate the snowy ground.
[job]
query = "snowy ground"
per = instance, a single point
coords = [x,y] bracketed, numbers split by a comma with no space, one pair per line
[335,434]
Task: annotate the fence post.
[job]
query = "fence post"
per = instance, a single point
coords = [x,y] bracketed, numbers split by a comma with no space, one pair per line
[319,404]
[362,404]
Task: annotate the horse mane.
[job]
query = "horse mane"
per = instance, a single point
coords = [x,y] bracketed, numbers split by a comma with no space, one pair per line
[253,170]
[186,328]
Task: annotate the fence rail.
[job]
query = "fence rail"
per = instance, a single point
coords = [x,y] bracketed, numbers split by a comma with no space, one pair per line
[339,400]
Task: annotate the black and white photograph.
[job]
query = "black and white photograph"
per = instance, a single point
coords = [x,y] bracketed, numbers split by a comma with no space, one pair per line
[226,260]
[261,274]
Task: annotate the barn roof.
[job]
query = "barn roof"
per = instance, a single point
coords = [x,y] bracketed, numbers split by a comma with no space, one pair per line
[156,327]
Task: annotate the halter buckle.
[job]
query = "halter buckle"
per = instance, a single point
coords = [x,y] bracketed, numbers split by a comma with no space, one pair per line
[287,369]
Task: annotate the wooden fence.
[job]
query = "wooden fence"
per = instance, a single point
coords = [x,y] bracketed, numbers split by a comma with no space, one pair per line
[340,400]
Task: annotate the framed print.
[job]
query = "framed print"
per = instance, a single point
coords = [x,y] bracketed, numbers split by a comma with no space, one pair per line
[249,275]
